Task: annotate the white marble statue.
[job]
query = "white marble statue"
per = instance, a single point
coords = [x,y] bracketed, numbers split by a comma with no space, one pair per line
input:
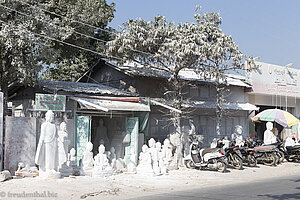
[214,143]
[101,163]
[269,137]
[131,167]
[161,164]
[175,140]
[237,136]
[113,158]
[46,154]
[168,157]
[72,162]
[63,144]
[87,161]
[145,166]
[226,142]
[154,156]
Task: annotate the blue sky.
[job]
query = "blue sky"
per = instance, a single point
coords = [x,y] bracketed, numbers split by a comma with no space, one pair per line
[269,29]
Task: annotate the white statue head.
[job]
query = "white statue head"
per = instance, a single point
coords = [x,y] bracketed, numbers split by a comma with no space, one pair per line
[269,126]
[63,126]
[89,146]
[72,152]
[238,129]
[151,143]
[49,116]
[112,150]
[166,142]
[101,149]
[144,148]
[158,145]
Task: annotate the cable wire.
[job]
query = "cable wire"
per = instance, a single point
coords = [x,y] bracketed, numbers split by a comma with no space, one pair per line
[69,44]
[53,13]
[8,8]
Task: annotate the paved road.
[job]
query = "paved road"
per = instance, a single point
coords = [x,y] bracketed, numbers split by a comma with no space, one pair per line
[277,189]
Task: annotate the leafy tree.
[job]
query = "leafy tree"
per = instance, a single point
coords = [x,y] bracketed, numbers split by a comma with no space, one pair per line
[200,46]
[73,62]
[26,29]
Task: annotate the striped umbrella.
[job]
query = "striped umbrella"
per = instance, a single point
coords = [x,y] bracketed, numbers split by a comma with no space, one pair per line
[280,116]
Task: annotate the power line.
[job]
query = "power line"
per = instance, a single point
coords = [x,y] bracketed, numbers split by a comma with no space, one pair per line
[53,13]
[69,44]
[8,8]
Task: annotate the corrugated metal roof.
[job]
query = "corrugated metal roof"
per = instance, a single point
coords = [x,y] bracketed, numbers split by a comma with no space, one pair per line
[78,87]
[136,69]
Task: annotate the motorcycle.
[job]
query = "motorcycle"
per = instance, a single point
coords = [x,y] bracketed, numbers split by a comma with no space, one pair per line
[233,154]
[248,152]
[265,154]
[292,153]
[282,152]
[212,158]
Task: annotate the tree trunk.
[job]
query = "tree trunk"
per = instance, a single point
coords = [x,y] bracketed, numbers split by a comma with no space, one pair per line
[219,106]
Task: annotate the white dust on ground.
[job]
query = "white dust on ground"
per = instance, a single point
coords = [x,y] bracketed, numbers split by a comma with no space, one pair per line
[122,186]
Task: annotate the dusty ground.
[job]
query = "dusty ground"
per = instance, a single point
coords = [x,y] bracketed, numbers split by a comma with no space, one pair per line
[124,186]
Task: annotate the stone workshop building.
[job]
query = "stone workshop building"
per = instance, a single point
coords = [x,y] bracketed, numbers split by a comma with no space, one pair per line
[92,112]
[111,103]
[149,85]
[274,86]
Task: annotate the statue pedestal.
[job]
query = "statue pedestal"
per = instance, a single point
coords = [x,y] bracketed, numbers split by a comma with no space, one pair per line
[50,175]
[103,173]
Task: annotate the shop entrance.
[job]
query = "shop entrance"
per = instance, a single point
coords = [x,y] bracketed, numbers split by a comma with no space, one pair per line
[109,132]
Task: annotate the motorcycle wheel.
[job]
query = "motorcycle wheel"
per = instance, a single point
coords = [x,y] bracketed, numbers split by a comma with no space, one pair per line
[189,164]
[221,166]
[289,159]
[252,162]
[281,156]
[277,158]
[237,162]
[270,159]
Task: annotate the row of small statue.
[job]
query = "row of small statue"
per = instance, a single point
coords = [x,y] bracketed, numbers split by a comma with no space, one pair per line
[156,159]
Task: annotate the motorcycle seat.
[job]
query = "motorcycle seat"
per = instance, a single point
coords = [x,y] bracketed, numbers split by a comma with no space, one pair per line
[293,147]
[264,148]
[205,151]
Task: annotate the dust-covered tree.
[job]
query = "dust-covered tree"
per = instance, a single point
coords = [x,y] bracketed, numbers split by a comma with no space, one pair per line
[200,46]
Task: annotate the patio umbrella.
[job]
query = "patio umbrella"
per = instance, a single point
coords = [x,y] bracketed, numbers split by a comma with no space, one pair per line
[280,116]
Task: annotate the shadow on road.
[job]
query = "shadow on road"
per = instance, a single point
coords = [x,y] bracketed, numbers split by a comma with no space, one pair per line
[281,196]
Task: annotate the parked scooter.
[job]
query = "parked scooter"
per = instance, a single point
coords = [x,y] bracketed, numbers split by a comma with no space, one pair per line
[232,153]
[292,153]
[268,149]
[212,158]
[248,153]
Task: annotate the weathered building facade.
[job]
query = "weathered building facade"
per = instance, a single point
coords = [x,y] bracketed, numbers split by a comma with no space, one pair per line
[274,86]
[200,95]
[91,111]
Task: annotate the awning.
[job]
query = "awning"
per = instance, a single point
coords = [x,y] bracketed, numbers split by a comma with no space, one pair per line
[109,105]
[227,106]
[207,105]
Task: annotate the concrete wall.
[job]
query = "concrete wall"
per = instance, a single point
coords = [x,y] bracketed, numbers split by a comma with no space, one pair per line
[20,142]
[1,130]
